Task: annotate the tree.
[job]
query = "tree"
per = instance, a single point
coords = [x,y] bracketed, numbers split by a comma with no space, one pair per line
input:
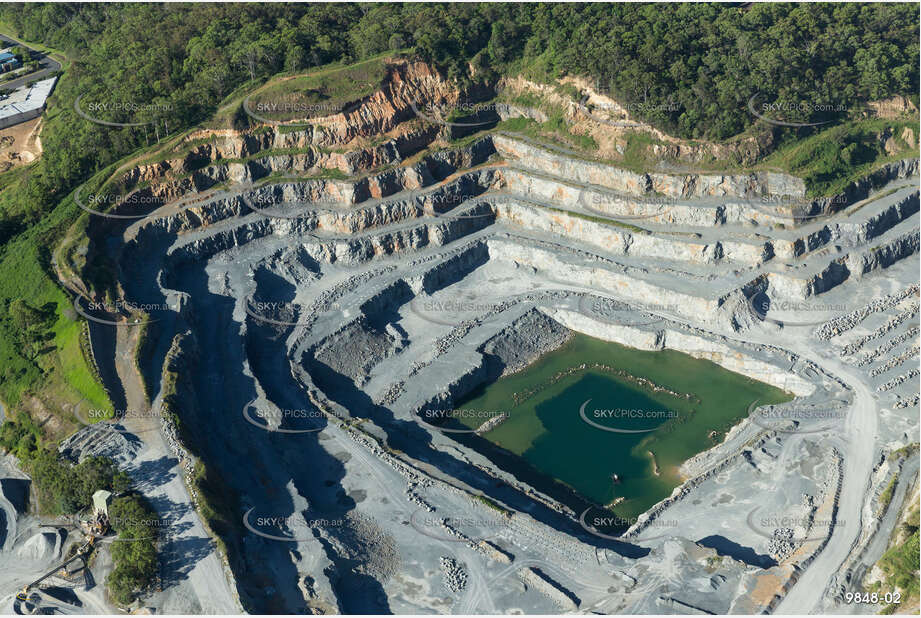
[135,555]
[31,324]
[250,57]
[295,58]
[396,42]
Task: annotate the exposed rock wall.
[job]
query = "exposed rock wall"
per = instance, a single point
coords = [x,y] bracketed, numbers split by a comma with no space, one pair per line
[630,288]
[884,255]
[454,268]
[644,206]
[681,186]
[856,264]
[698,347]
[524,341]
[625,240]
[860,189]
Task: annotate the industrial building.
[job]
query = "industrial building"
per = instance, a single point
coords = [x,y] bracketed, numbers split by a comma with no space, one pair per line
[25,103]
[9,62]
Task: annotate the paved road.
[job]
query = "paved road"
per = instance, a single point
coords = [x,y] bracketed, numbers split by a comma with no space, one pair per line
[49,65]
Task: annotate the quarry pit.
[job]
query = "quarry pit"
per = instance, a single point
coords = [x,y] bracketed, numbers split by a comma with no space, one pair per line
[309,324]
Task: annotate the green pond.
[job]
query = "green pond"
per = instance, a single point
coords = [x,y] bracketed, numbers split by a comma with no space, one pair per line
[677,406]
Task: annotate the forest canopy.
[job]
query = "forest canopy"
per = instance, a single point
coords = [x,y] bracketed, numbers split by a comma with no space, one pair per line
[686,68]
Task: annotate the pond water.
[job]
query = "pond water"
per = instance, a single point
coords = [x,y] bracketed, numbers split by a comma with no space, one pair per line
[592,409]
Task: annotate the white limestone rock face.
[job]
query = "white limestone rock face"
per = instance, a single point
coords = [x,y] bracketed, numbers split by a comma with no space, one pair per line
[630,289]
[698,347]
[672,185]
[624,335]
[737,361]
[624,241]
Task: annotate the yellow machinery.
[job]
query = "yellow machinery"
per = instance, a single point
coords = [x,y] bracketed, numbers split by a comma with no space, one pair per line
[96,526]
[84,549]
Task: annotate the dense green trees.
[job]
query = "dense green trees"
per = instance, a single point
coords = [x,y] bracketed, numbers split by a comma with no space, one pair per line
[134,553]
[706,59]
[20,436]
[31,325]
[62,488]
[65,489]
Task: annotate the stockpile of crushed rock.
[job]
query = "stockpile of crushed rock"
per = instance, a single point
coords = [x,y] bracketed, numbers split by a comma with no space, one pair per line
[455,575]
[844,323]
[527,338]
[100,440]
[363,541]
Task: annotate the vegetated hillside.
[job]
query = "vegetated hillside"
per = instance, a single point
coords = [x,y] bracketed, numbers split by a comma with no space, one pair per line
[178,62]
[899,565]
[689,69]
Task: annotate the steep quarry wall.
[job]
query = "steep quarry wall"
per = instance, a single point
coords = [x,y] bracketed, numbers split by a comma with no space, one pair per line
[408,84]
[624,240]
[854,265]
[208,157]
[353,251]
[171,180]
[698,347]
[860,189]
[332,198]
[684,186]
[629,288]
[451,269]
[644,206]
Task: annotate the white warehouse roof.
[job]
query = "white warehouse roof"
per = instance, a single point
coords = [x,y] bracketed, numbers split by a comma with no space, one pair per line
[27,98]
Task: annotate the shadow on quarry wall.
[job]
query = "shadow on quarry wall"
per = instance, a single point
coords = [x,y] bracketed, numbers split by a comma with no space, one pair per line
[455,268]
[244,456]
[139,282]
[17,492]
[725,547]
[271,287]
[102,340]
[357,592]
[259,464]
